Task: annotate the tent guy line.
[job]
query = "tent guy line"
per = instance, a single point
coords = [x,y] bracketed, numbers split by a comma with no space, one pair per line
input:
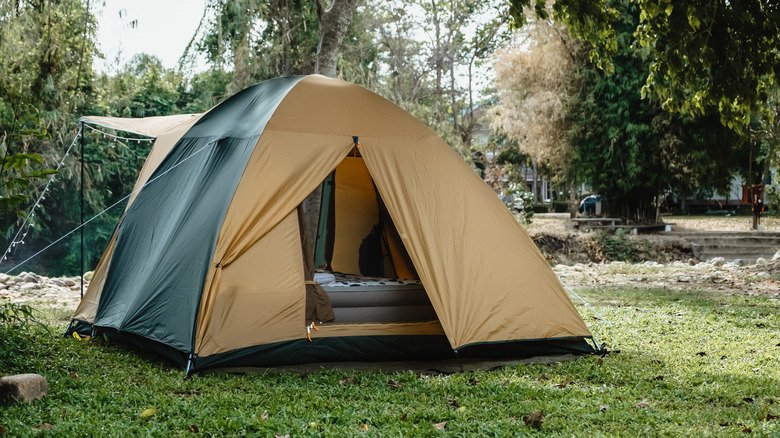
[107,208]
[28,218]
[118,137]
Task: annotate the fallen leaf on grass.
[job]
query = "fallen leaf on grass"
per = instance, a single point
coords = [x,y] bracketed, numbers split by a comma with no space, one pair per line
[656,361]
[44,426]
[440,426]
[564,384]
[462,409]
[542,378]
[264,416]
[473,381]
[364,427]
[276,435]
[747,430]
[148,413]
[505,383]
[404,417]
[73,375]
[2,430]
[600,362]
[194,428]
[534,419]
[603,408]
[642,405]
[393,384]
[452,402]
[348,380]
[770,417]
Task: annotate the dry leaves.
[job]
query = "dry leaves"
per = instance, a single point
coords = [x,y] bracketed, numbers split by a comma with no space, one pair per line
[564,384]
[348,380]
[194,428]
[642,405]
[440,426]
[264,416]
[148,413]
[393,384]
[534,419]
[44,426]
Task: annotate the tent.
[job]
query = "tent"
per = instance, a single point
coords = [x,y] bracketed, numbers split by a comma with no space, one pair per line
[210,264]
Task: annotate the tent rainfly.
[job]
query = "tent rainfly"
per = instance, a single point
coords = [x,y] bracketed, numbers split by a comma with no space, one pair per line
[210,264]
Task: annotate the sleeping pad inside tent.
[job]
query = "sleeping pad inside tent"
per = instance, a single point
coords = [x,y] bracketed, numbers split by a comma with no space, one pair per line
[412,255]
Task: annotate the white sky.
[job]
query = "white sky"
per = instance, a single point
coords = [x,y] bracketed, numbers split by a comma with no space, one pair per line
[164,27]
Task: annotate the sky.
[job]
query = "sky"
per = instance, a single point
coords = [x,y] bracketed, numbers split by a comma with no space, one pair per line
[164,27]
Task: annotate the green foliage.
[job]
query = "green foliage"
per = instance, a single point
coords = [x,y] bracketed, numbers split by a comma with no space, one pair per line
[14,320]
[689,364]
[631,150]
[712,54]
[617,247]
[705,55]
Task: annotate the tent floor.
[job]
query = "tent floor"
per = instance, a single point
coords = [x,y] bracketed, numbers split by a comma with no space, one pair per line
[446,366]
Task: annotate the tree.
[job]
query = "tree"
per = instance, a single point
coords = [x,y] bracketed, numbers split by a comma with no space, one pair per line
[536,77]
[45,77]
[704,54]
[334,23]
[633,151]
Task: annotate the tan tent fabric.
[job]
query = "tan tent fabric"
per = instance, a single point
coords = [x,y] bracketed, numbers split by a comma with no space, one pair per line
[466,245]
[283,169]
[261,295]
[356,213]
[168,130]
[333,330]
[88,306]
[148,126]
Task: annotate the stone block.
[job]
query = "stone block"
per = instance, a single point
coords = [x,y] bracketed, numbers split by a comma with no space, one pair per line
[23,387]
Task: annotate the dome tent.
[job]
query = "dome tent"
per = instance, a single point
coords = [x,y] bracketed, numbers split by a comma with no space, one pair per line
[209,264]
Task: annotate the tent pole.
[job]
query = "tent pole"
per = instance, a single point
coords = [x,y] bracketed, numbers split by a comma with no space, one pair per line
[82,209]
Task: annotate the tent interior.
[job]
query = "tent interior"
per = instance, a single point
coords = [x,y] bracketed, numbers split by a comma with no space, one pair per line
[355,239]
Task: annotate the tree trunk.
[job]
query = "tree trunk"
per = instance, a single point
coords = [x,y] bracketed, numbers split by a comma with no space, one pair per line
[333,26]
[572,201]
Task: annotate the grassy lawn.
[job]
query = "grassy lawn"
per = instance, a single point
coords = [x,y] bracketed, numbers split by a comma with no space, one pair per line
[689,364]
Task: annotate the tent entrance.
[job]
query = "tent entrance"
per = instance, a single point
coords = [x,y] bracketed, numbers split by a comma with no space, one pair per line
[356,234]
[358,242]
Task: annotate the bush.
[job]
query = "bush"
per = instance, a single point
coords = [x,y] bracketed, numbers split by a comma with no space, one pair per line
[561,206]
[540,208]
[14,319]
[618,247]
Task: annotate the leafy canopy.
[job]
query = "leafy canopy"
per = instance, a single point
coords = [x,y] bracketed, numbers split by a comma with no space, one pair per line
[704,53]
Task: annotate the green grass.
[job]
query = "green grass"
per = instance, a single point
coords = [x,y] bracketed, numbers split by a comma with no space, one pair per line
[690,364]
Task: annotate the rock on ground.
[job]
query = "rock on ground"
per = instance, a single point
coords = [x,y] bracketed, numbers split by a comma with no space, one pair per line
[23,387]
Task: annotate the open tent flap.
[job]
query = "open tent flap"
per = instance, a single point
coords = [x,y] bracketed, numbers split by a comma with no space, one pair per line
[146,126]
